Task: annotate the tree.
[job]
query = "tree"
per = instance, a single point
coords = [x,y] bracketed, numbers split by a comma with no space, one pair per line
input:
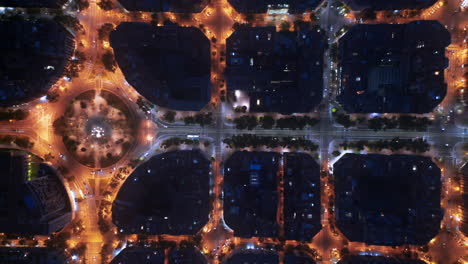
[79,250]
[18,114]
[344,120]
[24,142]
[58,241]
[344,251]
[298,24]
[53,96]
[82,4]
[249,17]
[189,120]
[68,21]
[106,5]
[154,19]
[375,123]
[48,157]
[285,25]
[368,14]
[267,122]
[104,227]
[109,61]
[144,105]
[106,250]
[313,17]
[105,30]
[169,116]
[246,122]
[336,153]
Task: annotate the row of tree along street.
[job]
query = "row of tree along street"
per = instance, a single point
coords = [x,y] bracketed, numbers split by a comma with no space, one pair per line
[253,141]
[418,145]
[404,122]
[20,141]
[268,122]
[175,141]
[201,119]
[11,114]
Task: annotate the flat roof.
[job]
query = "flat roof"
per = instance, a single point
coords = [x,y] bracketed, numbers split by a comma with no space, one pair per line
[33,3]
[252,257]
[168,194]
[387,199]
[276,68]
[137,255]
[149,255]
[34,56]
[177,6]
[31,255]
[302,214]
[263,6]
[377,260]
[393,68]
[33,200]
[298,257]
[388,5]
[169,65]
[464,175]
[251,193]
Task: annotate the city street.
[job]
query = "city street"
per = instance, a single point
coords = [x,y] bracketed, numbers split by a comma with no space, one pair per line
[218,19]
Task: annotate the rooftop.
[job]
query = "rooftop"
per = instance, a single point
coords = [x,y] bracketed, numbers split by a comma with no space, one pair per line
[276,68]
[33,3]
[27,255]
[252,257]
[177,6]
[251,193]
[388,199]
[33,58]
[169,65]
[168,194]
[301,197]
[146,255]
[275,6]
[297,258]
[377,260]
[186,255]
[388,5]
[137,255]
[33,201]
[393,68]
[464,175]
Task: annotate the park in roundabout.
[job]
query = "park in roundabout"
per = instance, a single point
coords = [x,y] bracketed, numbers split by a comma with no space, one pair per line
[97,128]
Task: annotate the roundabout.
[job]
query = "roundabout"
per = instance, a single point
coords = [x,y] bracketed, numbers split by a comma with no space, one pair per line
[97,128]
